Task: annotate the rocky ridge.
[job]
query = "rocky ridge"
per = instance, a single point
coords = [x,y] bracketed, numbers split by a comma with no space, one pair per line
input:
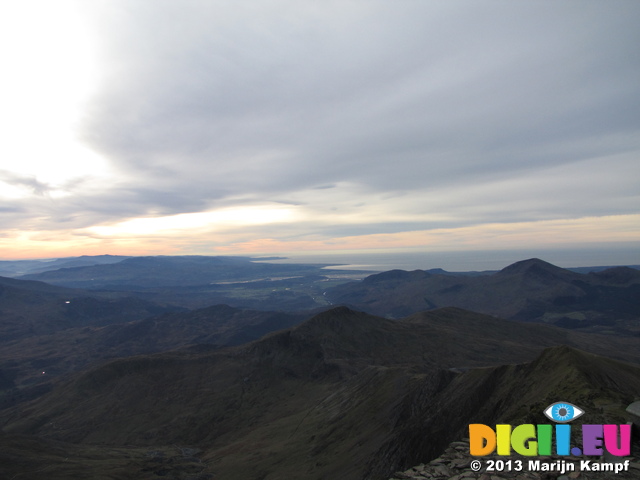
[456,464]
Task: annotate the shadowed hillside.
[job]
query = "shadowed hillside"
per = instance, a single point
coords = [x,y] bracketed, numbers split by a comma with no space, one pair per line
[30,364]
[343,395]
[513,394]
[29,308]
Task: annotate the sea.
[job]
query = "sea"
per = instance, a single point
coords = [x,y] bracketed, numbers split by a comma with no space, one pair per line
[465,261]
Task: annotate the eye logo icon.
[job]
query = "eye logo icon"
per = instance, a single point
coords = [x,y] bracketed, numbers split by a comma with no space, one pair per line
[563,412]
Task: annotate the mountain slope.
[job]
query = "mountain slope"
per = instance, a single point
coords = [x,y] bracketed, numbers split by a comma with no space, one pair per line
[530,290]
[338,396]
[29,308]
[32,458]
[30,364]
[512,394]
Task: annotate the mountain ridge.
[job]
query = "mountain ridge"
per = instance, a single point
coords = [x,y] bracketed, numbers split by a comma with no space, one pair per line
[340,393]
[323,399]
[531,290]
[164,271]
[25,361]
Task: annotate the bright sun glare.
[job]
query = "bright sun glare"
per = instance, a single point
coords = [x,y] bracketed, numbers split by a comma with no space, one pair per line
[48,72]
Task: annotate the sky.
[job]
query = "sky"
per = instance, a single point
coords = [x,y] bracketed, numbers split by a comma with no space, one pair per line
[166,127]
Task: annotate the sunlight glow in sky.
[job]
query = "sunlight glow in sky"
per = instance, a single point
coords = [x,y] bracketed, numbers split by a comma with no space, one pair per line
[139,127]
[186,223]
[48,74]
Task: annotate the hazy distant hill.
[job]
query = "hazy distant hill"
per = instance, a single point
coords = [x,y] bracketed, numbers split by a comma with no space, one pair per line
[164,271]
[343,395]
[531,290]
[201,281]
[13,268]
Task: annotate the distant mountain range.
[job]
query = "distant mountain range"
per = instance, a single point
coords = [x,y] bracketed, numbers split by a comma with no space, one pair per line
[132,273]
[123,370]
[606,301]
[87,271]
[15,268]
[343,395]
[597,299]
[193,281]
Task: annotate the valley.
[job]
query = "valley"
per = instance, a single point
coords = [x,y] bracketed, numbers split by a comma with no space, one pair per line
[106,379]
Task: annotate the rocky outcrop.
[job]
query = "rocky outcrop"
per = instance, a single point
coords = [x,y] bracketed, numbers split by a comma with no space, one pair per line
[456,464]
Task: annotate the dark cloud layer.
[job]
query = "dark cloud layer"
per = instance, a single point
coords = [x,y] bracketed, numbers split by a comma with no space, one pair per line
[466,111]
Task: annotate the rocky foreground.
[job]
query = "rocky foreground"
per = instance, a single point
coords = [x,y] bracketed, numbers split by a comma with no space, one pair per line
[456,464]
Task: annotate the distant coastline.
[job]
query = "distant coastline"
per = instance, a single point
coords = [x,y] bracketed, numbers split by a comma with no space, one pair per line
[464,261]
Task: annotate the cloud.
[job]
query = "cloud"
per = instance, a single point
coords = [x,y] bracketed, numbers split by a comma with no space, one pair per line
[262,102]
[17,181]
[364,117]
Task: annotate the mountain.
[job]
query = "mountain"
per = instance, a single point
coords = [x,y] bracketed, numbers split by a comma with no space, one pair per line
[46,331]
[29,308]
[532,290]
[30,364]
[14,268]
[169,271]
[201,281]
[218,325]
[518,394]
[618,275]
[343,395]
[513,394]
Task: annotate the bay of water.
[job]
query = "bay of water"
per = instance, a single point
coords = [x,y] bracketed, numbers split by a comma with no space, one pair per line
[466,261]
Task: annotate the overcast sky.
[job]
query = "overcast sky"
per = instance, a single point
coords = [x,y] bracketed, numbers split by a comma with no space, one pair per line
[272,127]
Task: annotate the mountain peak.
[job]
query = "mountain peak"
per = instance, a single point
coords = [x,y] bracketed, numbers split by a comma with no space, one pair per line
[533,266]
